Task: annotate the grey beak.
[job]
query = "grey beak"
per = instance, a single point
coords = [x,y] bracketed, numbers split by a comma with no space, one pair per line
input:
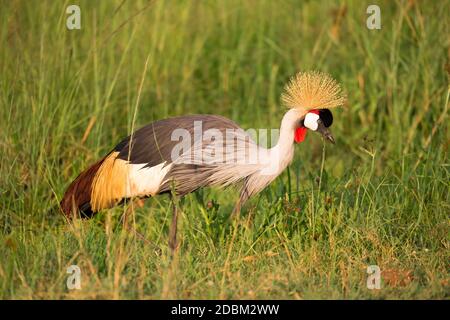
[326,133]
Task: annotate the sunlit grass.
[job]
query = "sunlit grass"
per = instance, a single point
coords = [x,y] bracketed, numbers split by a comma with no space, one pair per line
[382,198]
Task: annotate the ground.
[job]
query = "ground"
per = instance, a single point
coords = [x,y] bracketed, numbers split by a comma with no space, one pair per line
[379,196]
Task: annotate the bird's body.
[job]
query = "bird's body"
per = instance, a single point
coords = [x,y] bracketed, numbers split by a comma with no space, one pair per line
[151,166]
[182,154]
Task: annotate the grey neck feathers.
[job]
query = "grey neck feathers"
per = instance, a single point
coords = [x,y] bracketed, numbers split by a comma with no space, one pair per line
[282,153]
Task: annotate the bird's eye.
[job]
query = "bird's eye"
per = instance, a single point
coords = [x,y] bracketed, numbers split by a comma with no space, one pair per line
[326,116]
[311,121]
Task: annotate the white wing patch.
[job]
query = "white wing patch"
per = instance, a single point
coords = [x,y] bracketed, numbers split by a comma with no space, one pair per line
[145,181]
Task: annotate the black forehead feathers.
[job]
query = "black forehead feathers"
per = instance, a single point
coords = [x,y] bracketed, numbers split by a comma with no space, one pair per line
[326,116]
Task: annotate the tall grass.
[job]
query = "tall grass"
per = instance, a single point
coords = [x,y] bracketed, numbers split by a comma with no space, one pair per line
[380,197]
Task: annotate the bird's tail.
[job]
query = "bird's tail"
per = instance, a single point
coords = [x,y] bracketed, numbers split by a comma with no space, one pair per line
[91,190]
[78,195]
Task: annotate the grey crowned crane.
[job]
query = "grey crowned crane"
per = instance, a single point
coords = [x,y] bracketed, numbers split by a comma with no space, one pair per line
[182,154]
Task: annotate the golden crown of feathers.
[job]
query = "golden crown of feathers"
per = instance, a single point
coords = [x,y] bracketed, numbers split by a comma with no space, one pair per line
[313,90]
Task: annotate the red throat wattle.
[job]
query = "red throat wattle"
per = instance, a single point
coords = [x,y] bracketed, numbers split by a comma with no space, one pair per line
[300,134]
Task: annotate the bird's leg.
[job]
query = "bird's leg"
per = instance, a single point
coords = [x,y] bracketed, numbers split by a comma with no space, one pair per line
[136,202]
[173,228]
[139,203]
[242,199]
[237,209]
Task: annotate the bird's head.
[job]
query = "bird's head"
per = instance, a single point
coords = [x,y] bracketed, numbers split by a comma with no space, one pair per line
[312,95]
[318,120]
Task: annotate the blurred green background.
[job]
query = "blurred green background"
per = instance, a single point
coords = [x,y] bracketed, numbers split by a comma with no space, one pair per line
[68,96]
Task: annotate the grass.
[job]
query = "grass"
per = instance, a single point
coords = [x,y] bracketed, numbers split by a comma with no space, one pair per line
[381,197]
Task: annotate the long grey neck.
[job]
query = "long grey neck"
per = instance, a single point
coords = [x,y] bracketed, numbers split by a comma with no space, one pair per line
[282,153]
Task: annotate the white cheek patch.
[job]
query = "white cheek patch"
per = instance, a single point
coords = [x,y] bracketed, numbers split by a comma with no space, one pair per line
[311,121]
